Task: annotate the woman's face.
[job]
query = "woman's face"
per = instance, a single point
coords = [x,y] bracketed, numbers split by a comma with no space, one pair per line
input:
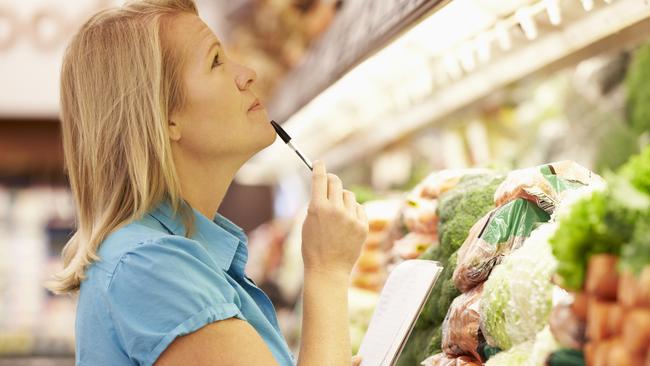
[216,119]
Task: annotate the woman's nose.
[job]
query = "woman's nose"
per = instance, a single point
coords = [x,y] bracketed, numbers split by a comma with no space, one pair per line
[245,77]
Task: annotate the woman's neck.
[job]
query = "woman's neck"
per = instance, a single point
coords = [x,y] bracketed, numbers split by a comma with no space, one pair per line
[204,185]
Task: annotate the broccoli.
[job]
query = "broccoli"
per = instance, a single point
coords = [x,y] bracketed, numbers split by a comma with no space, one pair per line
[460,208]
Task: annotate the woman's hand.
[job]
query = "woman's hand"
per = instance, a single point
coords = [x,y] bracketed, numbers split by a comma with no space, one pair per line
[356,360]
[335,228]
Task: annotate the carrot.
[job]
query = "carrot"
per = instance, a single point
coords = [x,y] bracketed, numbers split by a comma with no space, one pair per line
[603,319]
[602,277]
[579,305]
[636,331]
[619,355]
[601,353]
[590,353]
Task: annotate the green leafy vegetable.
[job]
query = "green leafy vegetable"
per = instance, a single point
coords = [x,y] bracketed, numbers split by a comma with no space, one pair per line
[566,357]
[636,254]
[637,170]
[517,297]
[516,356]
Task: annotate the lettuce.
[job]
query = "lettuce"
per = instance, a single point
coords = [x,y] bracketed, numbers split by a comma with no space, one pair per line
[517,297]
[516,356]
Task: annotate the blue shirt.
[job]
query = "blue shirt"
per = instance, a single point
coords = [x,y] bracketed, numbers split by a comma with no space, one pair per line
[152,285]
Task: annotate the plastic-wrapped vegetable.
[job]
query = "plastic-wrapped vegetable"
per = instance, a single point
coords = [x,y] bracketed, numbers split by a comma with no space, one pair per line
[534,352]
[544,184]
[544,345]
[517,298]
[420,215]
[443,360]
[567,328]
[461,328]
[435,184]
[516,356]
[492,238]
[413,245]
[461,207]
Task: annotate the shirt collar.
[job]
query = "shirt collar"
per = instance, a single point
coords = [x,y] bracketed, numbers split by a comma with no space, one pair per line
[220,236]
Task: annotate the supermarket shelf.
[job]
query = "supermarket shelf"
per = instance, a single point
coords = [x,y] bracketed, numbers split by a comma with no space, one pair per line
[621,25]
[340,132]
[361,28]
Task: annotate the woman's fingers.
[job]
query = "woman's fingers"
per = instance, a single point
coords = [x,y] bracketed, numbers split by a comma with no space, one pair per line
[319,183]
[335,190]
[356,360]
[361,214]
[350,202]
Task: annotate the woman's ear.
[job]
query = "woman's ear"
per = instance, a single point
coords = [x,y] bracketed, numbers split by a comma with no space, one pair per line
[174,130]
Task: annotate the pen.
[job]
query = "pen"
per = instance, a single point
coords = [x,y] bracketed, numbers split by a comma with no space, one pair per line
[287,140]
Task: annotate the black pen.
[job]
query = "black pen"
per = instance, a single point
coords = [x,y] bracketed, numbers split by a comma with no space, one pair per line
[287,140]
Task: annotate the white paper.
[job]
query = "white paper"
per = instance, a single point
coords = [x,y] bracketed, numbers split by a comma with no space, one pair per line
[400,302]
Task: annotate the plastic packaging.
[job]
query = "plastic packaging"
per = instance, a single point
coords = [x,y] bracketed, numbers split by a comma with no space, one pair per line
[414,244]
[544,184]
[442,359]
[420,215]
[493,237]
[461,329]
[567,328]
[517,298]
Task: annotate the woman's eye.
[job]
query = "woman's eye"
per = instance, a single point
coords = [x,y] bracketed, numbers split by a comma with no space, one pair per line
[216,62]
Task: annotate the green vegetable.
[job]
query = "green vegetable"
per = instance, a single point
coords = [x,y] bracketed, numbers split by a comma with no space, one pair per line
[458,210]
[636,254]
[638,92]
[545,344]
[599,222]
[488,351]
[566,357]
[516,356]
[637,170]
[517,297]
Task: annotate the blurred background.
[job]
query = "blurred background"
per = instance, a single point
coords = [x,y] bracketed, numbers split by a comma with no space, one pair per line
[384,92]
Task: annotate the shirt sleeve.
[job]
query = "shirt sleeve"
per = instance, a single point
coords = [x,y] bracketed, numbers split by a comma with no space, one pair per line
[163,289]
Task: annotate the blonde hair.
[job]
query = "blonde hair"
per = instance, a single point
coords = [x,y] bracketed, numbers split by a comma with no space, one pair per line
[120,80]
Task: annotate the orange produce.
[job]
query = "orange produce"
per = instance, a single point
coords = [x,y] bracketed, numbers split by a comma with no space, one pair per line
[604,319]
[636,331]
[602,277]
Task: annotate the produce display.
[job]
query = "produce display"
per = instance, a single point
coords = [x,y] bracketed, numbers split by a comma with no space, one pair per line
[547,265]
[495,295]
[605,239]
[458,209]
[369,271]
[495,236]
[517,298]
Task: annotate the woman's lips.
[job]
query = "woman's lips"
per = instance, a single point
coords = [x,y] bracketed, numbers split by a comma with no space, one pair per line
[256,105]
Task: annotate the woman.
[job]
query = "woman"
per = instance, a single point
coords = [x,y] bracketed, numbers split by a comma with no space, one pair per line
[156,121]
